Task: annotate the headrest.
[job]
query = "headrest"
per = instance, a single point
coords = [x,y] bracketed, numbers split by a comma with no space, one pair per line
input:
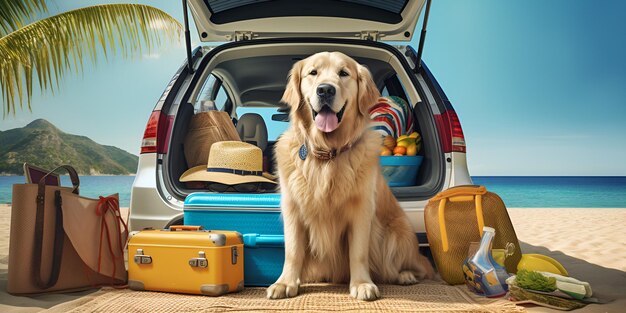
[251,128]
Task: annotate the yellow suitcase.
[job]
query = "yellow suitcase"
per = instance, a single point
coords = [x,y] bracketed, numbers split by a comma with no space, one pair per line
[186,259]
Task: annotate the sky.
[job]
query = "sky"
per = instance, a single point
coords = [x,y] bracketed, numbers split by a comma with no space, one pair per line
[539,86]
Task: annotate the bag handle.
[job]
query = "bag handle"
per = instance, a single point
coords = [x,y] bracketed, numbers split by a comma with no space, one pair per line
[460,196]
[111,205]
[463,190]
[42,182]
[58,229]
[257,240]
[185,228]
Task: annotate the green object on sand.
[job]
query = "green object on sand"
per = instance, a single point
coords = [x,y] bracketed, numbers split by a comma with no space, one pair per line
[573,287]
[549,290]
[535,281]
[523,295]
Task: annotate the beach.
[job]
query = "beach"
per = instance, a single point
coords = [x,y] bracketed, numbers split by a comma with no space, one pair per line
[590,243]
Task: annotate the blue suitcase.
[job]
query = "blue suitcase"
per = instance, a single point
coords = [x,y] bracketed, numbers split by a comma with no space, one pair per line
[257,217]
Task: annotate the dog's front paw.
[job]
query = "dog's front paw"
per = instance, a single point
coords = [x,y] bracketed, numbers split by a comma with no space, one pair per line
[281,291]
[364,291]
[407,278]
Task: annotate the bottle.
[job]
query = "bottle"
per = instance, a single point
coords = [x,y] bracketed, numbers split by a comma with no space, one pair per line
[482,274]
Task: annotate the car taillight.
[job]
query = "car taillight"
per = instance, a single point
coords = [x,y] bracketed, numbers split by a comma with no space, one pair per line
[451,132]
[155,136]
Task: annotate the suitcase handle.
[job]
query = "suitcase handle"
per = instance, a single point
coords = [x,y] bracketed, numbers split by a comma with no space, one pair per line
[257,240]
[185,228]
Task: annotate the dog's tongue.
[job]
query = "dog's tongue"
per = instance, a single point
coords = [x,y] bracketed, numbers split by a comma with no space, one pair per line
[326,121]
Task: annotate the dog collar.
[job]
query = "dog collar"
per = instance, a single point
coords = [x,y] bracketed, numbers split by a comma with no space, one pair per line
[323,154]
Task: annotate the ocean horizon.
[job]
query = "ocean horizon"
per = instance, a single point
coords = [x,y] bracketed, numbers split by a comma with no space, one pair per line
[516,191]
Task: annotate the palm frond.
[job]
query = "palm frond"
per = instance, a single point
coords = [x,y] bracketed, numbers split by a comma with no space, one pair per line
[14,13]
[50,47]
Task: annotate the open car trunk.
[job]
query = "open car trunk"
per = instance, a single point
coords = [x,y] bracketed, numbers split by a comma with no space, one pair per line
[233,20]
[254,74]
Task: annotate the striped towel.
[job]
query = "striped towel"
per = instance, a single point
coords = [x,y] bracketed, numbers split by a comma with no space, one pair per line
[392,116]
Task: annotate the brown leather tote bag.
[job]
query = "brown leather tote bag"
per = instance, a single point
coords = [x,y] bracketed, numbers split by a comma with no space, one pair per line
[60,241]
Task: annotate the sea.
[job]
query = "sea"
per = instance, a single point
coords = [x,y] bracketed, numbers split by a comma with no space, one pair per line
[516,191]
[90,186]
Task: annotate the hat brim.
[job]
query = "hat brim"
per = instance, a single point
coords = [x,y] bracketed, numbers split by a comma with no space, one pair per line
[199,173]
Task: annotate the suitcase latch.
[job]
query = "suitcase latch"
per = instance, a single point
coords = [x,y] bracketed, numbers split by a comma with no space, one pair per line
[234,254]
[200,261]
[140,258]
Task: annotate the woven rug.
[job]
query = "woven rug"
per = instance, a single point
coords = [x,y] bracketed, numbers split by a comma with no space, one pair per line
[426,297]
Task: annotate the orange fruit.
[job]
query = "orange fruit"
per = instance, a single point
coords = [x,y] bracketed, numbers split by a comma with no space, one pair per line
[411,150]
[399,150]
[398,154]
[384,151]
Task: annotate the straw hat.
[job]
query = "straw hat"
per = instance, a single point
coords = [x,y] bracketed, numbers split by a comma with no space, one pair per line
[230,163]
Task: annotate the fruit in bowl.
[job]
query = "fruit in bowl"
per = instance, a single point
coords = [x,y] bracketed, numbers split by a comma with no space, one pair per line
[399,150]
[389,142]
[408,145]
[411,150]
[384,151]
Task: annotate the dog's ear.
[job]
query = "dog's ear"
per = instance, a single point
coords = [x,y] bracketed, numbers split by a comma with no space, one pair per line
[292,95]
[368,92]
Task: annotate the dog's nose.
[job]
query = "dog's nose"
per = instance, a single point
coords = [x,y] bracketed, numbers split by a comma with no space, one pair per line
[325,90]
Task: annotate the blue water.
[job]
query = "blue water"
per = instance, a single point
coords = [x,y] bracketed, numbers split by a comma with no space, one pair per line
[524,192]
[558,191]
[90,186]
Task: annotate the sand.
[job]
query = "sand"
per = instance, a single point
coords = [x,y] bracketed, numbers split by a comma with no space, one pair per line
[590,243]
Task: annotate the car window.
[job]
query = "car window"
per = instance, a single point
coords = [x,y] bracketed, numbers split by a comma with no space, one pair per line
[221,98]
[212,96]
[274,128]
[384,92]
[393,87]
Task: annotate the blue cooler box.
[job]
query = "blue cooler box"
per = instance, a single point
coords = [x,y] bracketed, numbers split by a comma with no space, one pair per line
[257,217]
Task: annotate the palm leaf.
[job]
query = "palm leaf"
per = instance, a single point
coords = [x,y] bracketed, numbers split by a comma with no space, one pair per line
[50,47]
[14,13]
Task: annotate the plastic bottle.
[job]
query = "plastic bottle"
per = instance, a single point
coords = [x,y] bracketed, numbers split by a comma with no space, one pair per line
[482,274]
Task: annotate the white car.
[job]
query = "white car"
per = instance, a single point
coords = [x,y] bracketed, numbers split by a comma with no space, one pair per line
[248,73]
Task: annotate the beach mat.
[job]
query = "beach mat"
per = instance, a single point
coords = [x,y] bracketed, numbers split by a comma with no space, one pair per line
[425,297]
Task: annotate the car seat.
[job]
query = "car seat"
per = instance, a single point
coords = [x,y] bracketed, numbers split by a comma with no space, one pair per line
[251,128]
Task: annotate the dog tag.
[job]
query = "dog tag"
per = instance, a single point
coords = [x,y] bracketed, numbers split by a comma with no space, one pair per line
[303,152]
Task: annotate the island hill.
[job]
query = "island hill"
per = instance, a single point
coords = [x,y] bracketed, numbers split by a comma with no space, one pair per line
[42,144]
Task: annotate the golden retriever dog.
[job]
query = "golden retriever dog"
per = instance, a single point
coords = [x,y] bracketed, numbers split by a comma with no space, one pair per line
[342,223]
